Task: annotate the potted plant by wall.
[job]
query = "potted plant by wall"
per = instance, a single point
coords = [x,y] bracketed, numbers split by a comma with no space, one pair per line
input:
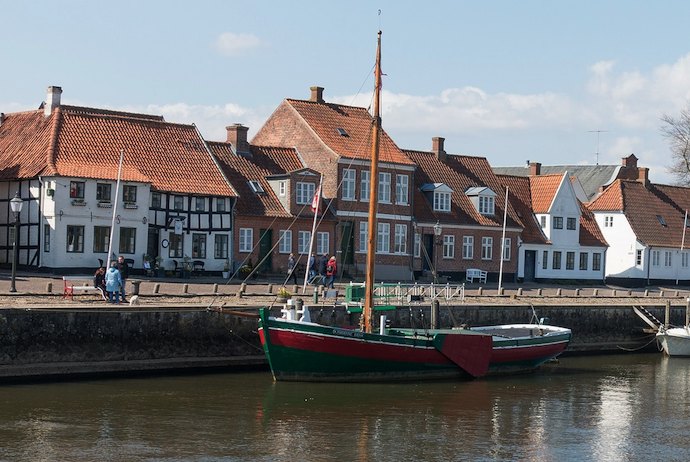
[283,295]
[246,269]
[226,269]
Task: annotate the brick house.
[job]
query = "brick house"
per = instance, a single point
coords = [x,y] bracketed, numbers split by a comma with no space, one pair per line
[465,198]
[273,214]
[335,140]
[174,202]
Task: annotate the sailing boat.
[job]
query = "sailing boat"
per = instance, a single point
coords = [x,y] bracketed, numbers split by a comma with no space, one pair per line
[300,350]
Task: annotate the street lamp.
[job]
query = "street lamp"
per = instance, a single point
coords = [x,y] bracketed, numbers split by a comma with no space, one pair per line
[16,204]
[437,232]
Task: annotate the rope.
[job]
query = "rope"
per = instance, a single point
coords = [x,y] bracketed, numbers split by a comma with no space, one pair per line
[639,348]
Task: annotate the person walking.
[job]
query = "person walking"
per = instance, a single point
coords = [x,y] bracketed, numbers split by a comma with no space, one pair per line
[123,268]
[113,282]
[323,262]
[99,281]
[331,272]
[311,266]
[292,268]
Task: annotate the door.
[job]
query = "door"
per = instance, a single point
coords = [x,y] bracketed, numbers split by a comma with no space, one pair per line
[153,244]
[347,243]
[265,250]
[427,251]
[530,262]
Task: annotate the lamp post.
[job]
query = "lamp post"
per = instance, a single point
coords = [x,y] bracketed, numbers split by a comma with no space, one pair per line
[16,204]
[437,233]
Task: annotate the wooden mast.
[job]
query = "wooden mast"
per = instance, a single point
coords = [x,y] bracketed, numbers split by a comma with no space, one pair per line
[373,197]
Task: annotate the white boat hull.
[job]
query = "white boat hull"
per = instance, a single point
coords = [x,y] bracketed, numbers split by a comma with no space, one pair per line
[675,342]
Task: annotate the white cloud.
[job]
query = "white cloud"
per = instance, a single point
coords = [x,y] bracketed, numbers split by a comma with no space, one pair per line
[231,44]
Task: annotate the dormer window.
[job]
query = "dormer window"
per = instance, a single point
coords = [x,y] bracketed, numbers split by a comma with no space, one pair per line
[342,132]
[256,187]
[440,196]
[304,192]
[483,199]
[662,222]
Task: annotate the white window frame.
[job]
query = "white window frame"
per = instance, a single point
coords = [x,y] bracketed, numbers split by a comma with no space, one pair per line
[668,258]
[400,240]
[304,192]
[596,261]
[285,241]
[656,257]
[383,238]
[608,221]
[584,267]
[364,185]
[348,186]
[639,257]
[467,247]
[384,188]
[282,188]
[303,238]
[246,239]
[363,236]
[402,189]
[417,245]
[487,248]
[486,205]
[506,249]
[323,242]
[448,246]
[441,201]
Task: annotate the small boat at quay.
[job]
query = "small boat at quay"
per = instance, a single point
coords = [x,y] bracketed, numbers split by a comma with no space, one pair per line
[301,350]
[673,341]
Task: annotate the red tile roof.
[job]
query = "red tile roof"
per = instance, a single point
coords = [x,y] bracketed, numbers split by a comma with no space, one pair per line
[544,188]
[459,173]
[86,143]
[611,199]
[263,162]
[356,123]
[520,198]
[590,233]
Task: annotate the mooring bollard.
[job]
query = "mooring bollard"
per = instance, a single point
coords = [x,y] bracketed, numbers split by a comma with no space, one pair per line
[559,291]
[135,286]
[501,291]
[156,288]
[295,289]
[539,291]
[270,288]
[676,293]
[185,288]
[595,292]
[49,287]
[661,293]
[577,292]
[215,288]
[613,292]
[519,291]
[646,292]
[316,295]
[479,291]
[242,289]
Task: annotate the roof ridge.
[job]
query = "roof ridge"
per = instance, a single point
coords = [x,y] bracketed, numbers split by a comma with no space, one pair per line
[84,110]
[327,104]
[54,133]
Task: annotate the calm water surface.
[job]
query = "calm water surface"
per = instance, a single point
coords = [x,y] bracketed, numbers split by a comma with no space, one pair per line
[611,408]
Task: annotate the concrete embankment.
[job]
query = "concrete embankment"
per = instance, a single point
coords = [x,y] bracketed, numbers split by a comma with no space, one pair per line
[44,342]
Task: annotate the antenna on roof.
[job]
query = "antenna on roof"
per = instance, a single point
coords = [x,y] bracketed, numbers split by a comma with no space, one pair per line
[598,132]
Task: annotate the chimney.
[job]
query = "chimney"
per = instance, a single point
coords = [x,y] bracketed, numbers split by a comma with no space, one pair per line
[630,161]
[237,136]
[316,94]
[2,118]
[535,168]
[437,147]
[643,176]
[52,100]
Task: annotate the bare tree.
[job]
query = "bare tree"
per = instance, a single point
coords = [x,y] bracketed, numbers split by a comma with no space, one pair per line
[677,131]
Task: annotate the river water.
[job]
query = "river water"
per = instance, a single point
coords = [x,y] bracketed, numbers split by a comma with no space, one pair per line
[603,408]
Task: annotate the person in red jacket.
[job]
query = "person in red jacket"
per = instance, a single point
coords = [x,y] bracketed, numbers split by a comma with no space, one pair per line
[331,272]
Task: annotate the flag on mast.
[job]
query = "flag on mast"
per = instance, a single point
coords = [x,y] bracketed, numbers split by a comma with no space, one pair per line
[315,199]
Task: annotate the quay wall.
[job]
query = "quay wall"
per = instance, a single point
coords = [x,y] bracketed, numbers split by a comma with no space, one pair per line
[48,342]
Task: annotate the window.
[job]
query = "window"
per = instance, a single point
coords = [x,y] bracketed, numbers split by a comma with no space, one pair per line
[402,189]
[198,245]
[608,222]
[128,240]
[256,187]
[246,239]
[570,223]
[101,239]
[557,222]
[655,257]
[129,193]
[486,205]
[155,200]
[570,261]
[400,245]
[178,203]
[304,193]
[506,249]
[348,186]
[542,220]
[323,243]
[441,201]
[556,260]
[303,238]
[684,259]
[385,188]
[75,238]
[76,189]
[417,245]
[285,241]
[46,238]
[596,261]
[220,249]
[661,220]
[584,261]
[200,204]
[364,185]
[467,247]
[363,235]
[667,258]
[638,257]
[282,188]
[220,204]
[176,249]
[103,191]
[487,248]
[545,260]
[383,238]
[448,246]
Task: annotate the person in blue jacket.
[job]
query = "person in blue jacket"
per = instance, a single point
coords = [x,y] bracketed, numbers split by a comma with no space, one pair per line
[113,281]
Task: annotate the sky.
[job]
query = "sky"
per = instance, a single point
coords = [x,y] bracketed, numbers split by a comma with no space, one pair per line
[556,82]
